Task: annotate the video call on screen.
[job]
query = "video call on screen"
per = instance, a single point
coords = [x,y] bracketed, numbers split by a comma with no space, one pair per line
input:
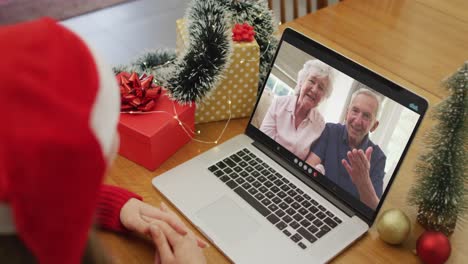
[395,121]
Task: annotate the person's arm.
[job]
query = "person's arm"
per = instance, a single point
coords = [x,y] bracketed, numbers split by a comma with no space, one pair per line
[358,169]
[268,125]
[120,210]
[111,199]
[377,173]
[315,161]
[318,151]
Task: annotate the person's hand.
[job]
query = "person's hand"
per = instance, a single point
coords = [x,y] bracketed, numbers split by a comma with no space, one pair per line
[358,169]
[315,161]
[358,166]
[137,216]
[320,168]
[173,247]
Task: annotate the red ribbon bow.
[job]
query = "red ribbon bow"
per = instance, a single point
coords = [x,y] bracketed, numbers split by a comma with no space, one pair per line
[137,93]
[243,32]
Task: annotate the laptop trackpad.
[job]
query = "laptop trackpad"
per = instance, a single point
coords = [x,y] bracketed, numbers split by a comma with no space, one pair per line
[228,221]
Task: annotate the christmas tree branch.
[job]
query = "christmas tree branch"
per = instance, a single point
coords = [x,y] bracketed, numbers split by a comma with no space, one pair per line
[440,191]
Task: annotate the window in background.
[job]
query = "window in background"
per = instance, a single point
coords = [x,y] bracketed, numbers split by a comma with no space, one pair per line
[278,87]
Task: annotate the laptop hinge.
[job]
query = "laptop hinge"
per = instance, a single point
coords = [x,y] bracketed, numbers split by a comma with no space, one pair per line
[299,174]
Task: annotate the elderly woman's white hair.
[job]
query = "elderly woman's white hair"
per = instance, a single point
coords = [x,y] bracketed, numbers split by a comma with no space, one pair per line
[319,69]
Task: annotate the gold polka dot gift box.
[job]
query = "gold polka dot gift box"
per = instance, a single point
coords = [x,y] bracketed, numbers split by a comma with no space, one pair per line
[236,93]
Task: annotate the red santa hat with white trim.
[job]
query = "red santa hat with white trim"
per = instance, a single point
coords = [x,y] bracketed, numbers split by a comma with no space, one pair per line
[60,109]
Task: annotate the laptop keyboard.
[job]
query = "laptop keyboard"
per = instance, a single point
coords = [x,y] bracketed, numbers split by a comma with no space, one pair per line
[296,214]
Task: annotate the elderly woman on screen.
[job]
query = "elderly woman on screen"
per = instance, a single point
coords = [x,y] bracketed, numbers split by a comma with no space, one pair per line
[294,121]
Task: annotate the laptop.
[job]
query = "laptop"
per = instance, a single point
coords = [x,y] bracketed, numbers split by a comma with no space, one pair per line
[259,201]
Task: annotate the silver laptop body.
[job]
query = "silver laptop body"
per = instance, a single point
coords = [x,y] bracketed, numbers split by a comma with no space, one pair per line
[249,230]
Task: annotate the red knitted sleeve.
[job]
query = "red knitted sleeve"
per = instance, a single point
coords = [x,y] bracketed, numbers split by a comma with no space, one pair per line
[111,199]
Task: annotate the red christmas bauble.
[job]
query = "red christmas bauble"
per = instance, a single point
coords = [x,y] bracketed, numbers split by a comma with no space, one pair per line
[433,247]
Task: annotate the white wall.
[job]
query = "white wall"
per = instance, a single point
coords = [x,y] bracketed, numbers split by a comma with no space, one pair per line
[333,107]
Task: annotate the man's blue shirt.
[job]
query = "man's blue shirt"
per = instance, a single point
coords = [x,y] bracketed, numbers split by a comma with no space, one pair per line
[332,147]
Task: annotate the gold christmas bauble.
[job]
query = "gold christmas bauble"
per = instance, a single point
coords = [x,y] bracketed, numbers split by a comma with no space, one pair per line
[394,226]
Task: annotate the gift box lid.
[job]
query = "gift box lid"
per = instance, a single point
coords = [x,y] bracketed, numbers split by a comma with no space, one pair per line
[143,126]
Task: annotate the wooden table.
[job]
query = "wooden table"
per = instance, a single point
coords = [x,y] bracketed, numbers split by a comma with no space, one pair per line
[415,43]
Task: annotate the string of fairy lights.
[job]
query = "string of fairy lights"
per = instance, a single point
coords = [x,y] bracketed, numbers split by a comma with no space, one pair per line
[186,128]
[255,14]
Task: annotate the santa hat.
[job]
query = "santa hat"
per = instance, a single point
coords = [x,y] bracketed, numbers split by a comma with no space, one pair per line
[60,108]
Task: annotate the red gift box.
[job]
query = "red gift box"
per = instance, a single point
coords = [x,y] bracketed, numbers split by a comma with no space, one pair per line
[151,138]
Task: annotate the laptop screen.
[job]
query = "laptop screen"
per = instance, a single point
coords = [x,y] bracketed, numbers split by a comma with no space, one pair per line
[342,125]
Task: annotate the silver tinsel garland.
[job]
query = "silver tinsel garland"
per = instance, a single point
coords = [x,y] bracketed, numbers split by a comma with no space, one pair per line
[191,76]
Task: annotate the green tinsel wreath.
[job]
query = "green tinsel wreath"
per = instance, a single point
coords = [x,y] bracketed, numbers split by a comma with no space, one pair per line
[191,76]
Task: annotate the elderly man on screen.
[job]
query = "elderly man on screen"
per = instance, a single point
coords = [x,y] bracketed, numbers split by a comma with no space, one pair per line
[348,156]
